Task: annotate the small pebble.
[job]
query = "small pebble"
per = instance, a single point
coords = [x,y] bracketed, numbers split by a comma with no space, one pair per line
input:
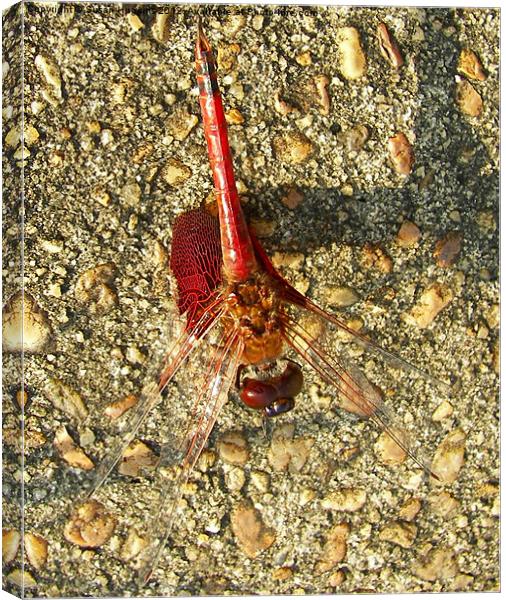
[252,535]
[335,548]
[160,28]
[468,99]
[470,66]
[65,399]
[234,117]
[341,296]
[25,326]
[235,479]
[293,198]
[354,138]
[233,24]
[180,123]
[439,565]
[442,412]
[137,458]
[51,74]
[449,457]
[443,504]
[22,579]
[337,578]
[95,288]
[131,193]
[70,452]
[261,480]
[448,249]
[36,550]
[345,499]
[352,62]
[281,106]
[408,235]
[401,154]
[90,526]
[11,538]
[373,256]
[116,409]
[304,59]
[133,546]
[292,148]
[282,574]
[233,448]
[388,450]
[174,172]
[257,22]
[400,533]
[227,56]
[432,301]
[410,509]
[289,454]
[134,21]
[388,47]
[321,83]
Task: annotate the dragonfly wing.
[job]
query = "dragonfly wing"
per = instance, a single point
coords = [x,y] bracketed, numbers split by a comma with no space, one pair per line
[220,375]
[157,378]
[358,395]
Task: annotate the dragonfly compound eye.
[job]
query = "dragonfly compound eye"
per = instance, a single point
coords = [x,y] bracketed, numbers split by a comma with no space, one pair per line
[279,407]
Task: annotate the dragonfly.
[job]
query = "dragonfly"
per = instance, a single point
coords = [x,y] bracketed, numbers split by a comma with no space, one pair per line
[242,318]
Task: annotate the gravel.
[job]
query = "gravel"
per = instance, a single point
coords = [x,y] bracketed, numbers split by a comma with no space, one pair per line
[106,175]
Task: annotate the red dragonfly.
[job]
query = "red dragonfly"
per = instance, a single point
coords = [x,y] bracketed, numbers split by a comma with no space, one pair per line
[241,318]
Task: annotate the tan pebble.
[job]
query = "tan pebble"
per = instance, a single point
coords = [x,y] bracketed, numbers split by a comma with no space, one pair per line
[51,74]
[293,148]
[116,409]
[488,490]
[306,496]
[293,198]
[160,28]
[233,24]
[134,21]
[373,256]
[25,326]
[468,99]
[352,61]
[354,138]
[234,117]
[337,578]
[492,316]
[70,452]
[252,536]
[36,550]
[31,135]
[443,504]
[341,296]
[100,195]
[13,137]
[289,454]
[410,509]
[432,301]
[95,288]
[348,454]
[321,83]
[11,538]
[142,152]
[449,457]
[408,235]
[438,565]
[442,412]
[292,260]
[388,450]
[180,123]
[133,546]
[470,66]
[345,499]
[304,59]
[448,249]
[131,193]
[261,480]
[90,526]
[388,47]
[137,458]
[233,448]
[400,533]
[486,220]
[65,398]
[21,579]
[174,172]
[281,106]
[401,154]
[22,399]
[262,228]
[51,246]
[335,548]
[227,56]
[462,582]
[257,22]
[282,574]
[93,127]
[235,478]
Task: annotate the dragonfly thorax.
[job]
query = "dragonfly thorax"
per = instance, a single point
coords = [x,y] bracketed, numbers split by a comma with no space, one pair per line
[254,309]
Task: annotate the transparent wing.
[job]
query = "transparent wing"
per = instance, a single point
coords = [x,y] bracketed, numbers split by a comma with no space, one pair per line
[157,378]
[219,375]
[358,395]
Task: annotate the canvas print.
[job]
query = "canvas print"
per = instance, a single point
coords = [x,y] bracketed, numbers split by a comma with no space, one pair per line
[250,299]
